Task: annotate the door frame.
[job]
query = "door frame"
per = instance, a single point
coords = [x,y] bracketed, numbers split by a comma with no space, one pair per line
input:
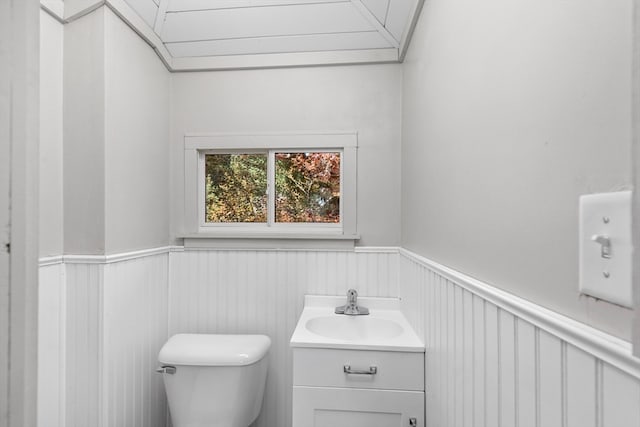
[635,168]
[19,140]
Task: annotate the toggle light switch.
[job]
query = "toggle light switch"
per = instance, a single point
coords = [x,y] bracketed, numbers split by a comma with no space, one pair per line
[605,247]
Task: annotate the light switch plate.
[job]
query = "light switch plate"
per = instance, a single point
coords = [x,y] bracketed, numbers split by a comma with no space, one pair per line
[607,215]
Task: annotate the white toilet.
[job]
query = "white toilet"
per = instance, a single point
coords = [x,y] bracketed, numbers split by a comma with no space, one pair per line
[214,380]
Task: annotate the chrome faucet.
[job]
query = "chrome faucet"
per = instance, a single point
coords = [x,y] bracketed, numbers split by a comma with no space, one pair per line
[352,308]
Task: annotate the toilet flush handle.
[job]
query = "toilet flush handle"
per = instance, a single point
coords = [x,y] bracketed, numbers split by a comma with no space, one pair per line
[166,369]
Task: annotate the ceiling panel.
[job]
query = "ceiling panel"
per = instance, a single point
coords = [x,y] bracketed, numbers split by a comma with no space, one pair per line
[264,21]
[147,9]
[192,5]
[226,34]
[398,16]
[378,8]
[287,44]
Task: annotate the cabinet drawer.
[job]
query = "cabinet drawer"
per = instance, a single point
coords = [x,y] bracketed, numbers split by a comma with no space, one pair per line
[325,368]
[339,407]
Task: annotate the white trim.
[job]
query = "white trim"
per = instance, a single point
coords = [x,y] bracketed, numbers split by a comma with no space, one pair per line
[266,235]
[55,8]
[271,191]
[233,247]
[302,244]
[50,260]
[279,133]
[270,140]
[107,259]
[408,34]
[606,347]
[635,168]
[377,250]
[285,60]
[196,5]
[366,13]
[72,15]
[126,256]
[118,257]
[160,16]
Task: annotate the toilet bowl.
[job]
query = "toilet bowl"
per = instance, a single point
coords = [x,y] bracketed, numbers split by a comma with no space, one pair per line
[214,380]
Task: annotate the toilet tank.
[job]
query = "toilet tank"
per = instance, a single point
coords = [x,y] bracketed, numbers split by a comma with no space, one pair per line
[219,380]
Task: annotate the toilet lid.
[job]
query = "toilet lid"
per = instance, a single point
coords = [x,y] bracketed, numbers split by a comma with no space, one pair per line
[214,350]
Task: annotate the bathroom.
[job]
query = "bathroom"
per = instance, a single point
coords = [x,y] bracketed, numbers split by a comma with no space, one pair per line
[472,154]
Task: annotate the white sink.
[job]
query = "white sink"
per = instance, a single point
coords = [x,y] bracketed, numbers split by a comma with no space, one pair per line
[385,328]
[353,328]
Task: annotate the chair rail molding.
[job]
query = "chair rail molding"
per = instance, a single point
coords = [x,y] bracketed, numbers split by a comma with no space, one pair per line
[606,347]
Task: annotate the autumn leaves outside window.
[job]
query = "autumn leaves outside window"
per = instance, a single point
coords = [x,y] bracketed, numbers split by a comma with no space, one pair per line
[306,184]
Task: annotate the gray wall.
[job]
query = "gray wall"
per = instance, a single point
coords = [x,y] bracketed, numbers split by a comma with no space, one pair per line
[84,222]
[511,111]
[137,142]
[116,167]
[51,136]
[366,99]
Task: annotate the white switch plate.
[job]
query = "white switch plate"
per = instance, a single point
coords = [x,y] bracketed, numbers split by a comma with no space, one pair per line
[608,215]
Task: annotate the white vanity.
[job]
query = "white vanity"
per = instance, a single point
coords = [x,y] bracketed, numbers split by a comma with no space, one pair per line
[356,371]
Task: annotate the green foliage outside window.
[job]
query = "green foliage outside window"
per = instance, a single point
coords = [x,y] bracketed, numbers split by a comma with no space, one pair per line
[236,187]
[307,187]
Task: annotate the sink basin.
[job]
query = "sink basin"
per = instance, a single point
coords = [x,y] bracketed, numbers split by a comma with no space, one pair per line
[353,328]
[385,328]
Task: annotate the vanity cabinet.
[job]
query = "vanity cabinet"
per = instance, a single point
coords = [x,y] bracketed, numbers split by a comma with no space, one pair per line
[356,371]
[357,388]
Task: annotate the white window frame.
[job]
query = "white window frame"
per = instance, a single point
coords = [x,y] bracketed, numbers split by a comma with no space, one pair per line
[196,146]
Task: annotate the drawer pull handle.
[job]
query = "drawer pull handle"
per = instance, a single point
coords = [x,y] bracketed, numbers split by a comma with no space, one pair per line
[372,370]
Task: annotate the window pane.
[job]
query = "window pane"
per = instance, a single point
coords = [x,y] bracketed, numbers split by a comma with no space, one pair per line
[308,187]
[236,188]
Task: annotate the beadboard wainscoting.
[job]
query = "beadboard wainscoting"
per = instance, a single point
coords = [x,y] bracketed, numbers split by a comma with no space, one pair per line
[135,328]
[221,291]
[104,319]
[83,344]
[52,296]
[102,322]
[494,360]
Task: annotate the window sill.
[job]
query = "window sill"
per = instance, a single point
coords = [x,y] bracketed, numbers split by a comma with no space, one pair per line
[257,240]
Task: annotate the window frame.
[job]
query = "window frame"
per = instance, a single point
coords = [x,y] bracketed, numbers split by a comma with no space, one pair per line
[196,146]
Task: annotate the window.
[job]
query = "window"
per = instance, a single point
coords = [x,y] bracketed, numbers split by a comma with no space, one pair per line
[235,188]
[306,187]
[282,185]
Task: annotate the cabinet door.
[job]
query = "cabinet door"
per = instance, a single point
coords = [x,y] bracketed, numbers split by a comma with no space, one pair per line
[341,407]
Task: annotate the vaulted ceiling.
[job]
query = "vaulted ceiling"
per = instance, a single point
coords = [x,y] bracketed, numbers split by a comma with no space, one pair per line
[224,34]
